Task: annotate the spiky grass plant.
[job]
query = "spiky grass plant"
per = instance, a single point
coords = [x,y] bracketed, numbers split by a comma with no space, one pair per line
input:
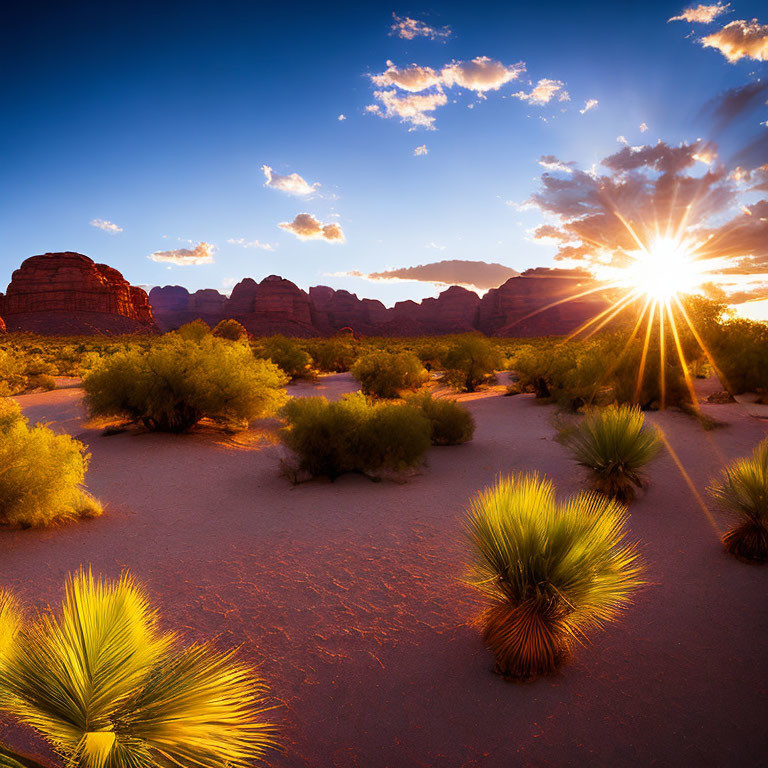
[615,445]
[108,689]
[549,572]
[742,493]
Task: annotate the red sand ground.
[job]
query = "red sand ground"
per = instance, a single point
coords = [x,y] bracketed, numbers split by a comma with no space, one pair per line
[347,596]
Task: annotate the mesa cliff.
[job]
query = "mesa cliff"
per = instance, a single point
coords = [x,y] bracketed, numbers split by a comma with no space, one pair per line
[68,293]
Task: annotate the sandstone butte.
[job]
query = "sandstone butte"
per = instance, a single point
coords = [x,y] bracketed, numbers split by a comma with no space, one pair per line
[68,293]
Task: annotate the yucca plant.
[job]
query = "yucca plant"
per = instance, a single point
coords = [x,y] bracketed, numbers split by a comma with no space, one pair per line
[549,572]
[742,493]
[108,689]
[615,445]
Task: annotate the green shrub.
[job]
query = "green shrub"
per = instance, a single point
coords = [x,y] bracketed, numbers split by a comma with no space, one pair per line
[451,423]
[177,382]
[230,329]
[549,572]
[107,688]
[613,443]
[742,493]
[387,374]
[288,355]
[13,373]
[740,351]
[41,473]
[353,435]
[196,330]
[44,381]
[471,361]
[334,355]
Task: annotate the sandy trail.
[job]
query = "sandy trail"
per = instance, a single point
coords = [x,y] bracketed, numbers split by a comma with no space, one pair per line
[347,595]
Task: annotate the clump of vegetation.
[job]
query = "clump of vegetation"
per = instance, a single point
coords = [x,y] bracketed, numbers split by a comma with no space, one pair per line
[471,361]
[41,473]
[230,329]
[13,373]
[334,355]
[742,493]
[196,330]
[177,382]
[740,351]
[354,434]
[288,355]
[107,688]
[550,572]
[388,374]
[450,421]
[614,444]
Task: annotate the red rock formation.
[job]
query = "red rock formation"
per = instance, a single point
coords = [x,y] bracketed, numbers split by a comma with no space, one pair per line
[173,306]
[539,303]
[333,310]
[2,322]
[68,293]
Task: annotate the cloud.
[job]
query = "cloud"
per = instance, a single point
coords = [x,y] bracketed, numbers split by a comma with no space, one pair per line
[481,74]
[544,92]
[701,14]
[736,103]
[202,253]
[413,78]
[243,243]
[105,225]
[293,184]
[480,275]
[740,39]
[408,29]
[422,150]
[589,104]
[341,117]
[551,163]
[643,127]
[413,108]
[307,227]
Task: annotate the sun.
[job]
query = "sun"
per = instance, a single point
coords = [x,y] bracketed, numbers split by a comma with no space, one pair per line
[664,270]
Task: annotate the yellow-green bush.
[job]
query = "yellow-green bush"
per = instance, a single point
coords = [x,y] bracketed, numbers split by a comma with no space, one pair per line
[288,355]
[334,355]
[353,435]
[41,473]
[177,382]
[107,688]
[230,329]
[471,361]
[13,373]
[387,374]
[451,423]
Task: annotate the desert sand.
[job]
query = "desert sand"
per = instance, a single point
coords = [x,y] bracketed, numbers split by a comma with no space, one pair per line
[348,596]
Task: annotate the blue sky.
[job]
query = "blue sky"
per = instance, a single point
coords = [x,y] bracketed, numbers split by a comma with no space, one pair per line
[158,118]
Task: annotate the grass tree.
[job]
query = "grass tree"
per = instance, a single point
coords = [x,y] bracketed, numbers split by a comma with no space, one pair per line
[550,573]
[742,493]
[615,445]
[107,688]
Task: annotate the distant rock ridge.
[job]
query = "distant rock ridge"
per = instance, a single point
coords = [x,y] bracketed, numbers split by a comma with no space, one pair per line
[535,303]
[68,293]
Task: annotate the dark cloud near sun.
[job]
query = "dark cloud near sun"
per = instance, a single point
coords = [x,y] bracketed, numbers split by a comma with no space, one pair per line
[481,275]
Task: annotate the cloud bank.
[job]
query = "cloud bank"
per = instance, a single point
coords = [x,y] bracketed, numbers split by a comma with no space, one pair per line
[202,253]
[307,227]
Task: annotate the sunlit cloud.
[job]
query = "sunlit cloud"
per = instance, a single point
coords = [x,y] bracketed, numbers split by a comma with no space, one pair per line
[740,39]
[702,14]
[293,184]
[481,74]
[544,91]
[412,79]
[478,275]
[202,253]
[341,117]
[307,227]
[106,226]
[589,104]
[552,163]
[422,150]
[643,127]
[408,29]
[414,109]
[243,243]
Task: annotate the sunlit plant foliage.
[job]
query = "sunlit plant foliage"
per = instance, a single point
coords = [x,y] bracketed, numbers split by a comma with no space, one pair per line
[288,355]
[614,444]
[451,423]
[388,374]
[354,434]
[471,361]
[41,473]
[549,572]
[742,494]
[230,329]
[108,689]
[177,382]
